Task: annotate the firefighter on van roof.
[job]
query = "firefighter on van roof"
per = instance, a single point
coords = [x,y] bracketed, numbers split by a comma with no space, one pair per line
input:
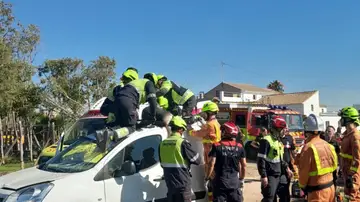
[107,108]
[128,100]
[176,96]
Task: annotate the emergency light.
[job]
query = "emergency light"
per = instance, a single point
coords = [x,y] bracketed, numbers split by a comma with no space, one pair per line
[278,107]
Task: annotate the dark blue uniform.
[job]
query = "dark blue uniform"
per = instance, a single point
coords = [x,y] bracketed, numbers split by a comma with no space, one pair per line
[226,184]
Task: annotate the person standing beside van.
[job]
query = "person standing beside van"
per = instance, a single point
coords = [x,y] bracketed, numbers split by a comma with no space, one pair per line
[227,159]
[176,156]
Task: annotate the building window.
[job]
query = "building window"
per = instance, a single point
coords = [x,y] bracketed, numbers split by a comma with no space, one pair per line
[327,123]
[254,97]
[322,110]
[312,108]
[217,94]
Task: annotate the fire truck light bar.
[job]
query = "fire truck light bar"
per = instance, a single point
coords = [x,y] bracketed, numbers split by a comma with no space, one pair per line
[277,107]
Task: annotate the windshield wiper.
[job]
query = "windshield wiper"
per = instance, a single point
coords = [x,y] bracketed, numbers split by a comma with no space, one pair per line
[53,169]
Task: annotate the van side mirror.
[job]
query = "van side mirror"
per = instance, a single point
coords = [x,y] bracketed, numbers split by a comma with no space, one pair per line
[127,168]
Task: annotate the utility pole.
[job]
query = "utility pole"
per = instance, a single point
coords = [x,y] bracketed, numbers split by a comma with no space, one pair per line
[222,71]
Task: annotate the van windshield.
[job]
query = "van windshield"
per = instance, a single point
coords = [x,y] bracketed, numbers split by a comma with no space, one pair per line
[83,127]
[294,121]
[78,157]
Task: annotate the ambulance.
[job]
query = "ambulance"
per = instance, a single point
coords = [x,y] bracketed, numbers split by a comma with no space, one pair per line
[128,170]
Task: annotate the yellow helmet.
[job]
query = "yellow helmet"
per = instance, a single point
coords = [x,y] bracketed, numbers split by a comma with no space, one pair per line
[131,74]
[210,107]
[161,77]
[178,122]
[152,77]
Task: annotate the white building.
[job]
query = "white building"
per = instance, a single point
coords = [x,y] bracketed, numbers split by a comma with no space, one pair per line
[304,102]
[232,92]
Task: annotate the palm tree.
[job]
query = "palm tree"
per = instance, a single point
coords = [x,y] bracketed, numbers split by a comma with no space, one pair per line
[276,86]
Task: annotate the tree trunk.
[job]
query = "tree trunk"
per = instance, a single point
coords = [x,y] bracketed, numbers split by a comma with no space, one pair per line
[36,140]
[2,143]
[14,127]
[53,132]
[21,145]
[30,140]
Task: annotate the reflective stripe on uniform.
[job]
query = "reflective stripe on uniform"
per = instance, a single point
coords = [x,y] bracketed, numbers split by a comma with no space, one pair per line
[346,156]
[151,95]
[173,165]
[181,99]
[268,159]
[319,169]
[193,159]
[349,157]
[274,145]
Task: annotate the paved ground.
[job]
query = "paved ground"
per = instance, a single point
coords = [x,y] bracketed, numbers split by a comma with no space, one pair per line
[252,192]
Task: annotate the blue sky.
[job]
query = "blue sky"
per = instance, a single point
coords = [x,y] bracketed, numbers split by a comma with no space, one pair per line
[308,45]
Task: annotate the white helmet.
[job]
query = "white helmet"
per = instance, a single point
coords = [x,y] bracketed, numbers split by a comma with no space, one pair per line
[314,123]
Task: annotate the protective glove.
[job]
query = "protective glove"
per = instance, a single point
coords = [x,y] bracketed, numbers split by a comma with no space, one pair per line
[111,118]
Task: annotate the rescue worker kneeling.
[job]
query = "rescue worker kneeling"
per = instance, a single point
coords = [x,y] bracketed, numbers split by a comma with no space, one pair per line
[316,163]
[107,108]
[270,161]
[350,153]
[128,100]
[176,156]
[177,96]
[228,159]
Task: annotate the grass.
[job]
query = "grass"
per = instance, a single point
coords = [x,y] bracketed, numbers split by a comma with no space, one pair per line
[12,167]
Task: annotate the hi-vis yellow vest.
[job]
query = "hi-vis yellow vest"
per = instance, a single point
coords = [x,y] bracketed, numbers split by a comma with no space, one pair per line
[139,85]
[170,152]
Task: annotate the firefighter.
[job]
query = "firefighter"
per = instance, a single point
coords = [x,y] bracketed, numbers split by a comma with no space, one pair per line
[177,96]
[107,108]
[216,100]
[350,153]
[270,160]
[127,101]
[176,155]
[317,161]
[227,159]
[289,148]
[209,133]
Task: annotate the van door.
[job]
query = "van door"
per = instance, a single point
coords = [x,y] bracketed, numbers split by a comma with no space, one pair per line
[147,183]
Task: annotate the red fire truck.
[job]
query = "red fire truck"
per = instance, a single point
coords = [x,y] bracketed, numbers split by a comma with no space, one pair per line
[251,117]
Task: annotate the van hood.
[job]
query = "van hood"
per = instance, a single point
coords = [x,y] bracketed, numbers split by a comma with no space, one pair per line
[27,177]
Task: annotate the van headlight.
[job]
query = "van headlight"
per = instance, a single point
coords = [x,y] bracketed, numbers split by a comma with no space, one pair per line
[34,193]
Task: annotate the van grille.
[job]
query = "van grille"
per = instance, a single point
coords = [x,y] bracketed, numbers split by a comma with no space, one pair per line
[299,141]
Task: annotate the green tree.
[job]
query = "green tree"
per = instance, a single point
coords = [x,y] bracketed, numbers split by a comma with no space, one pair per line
[276,86]
[100,76]
[63,82]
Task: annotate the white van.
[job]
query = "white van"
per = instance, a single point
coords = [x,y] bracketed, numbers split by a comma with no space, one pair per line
[129,172]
